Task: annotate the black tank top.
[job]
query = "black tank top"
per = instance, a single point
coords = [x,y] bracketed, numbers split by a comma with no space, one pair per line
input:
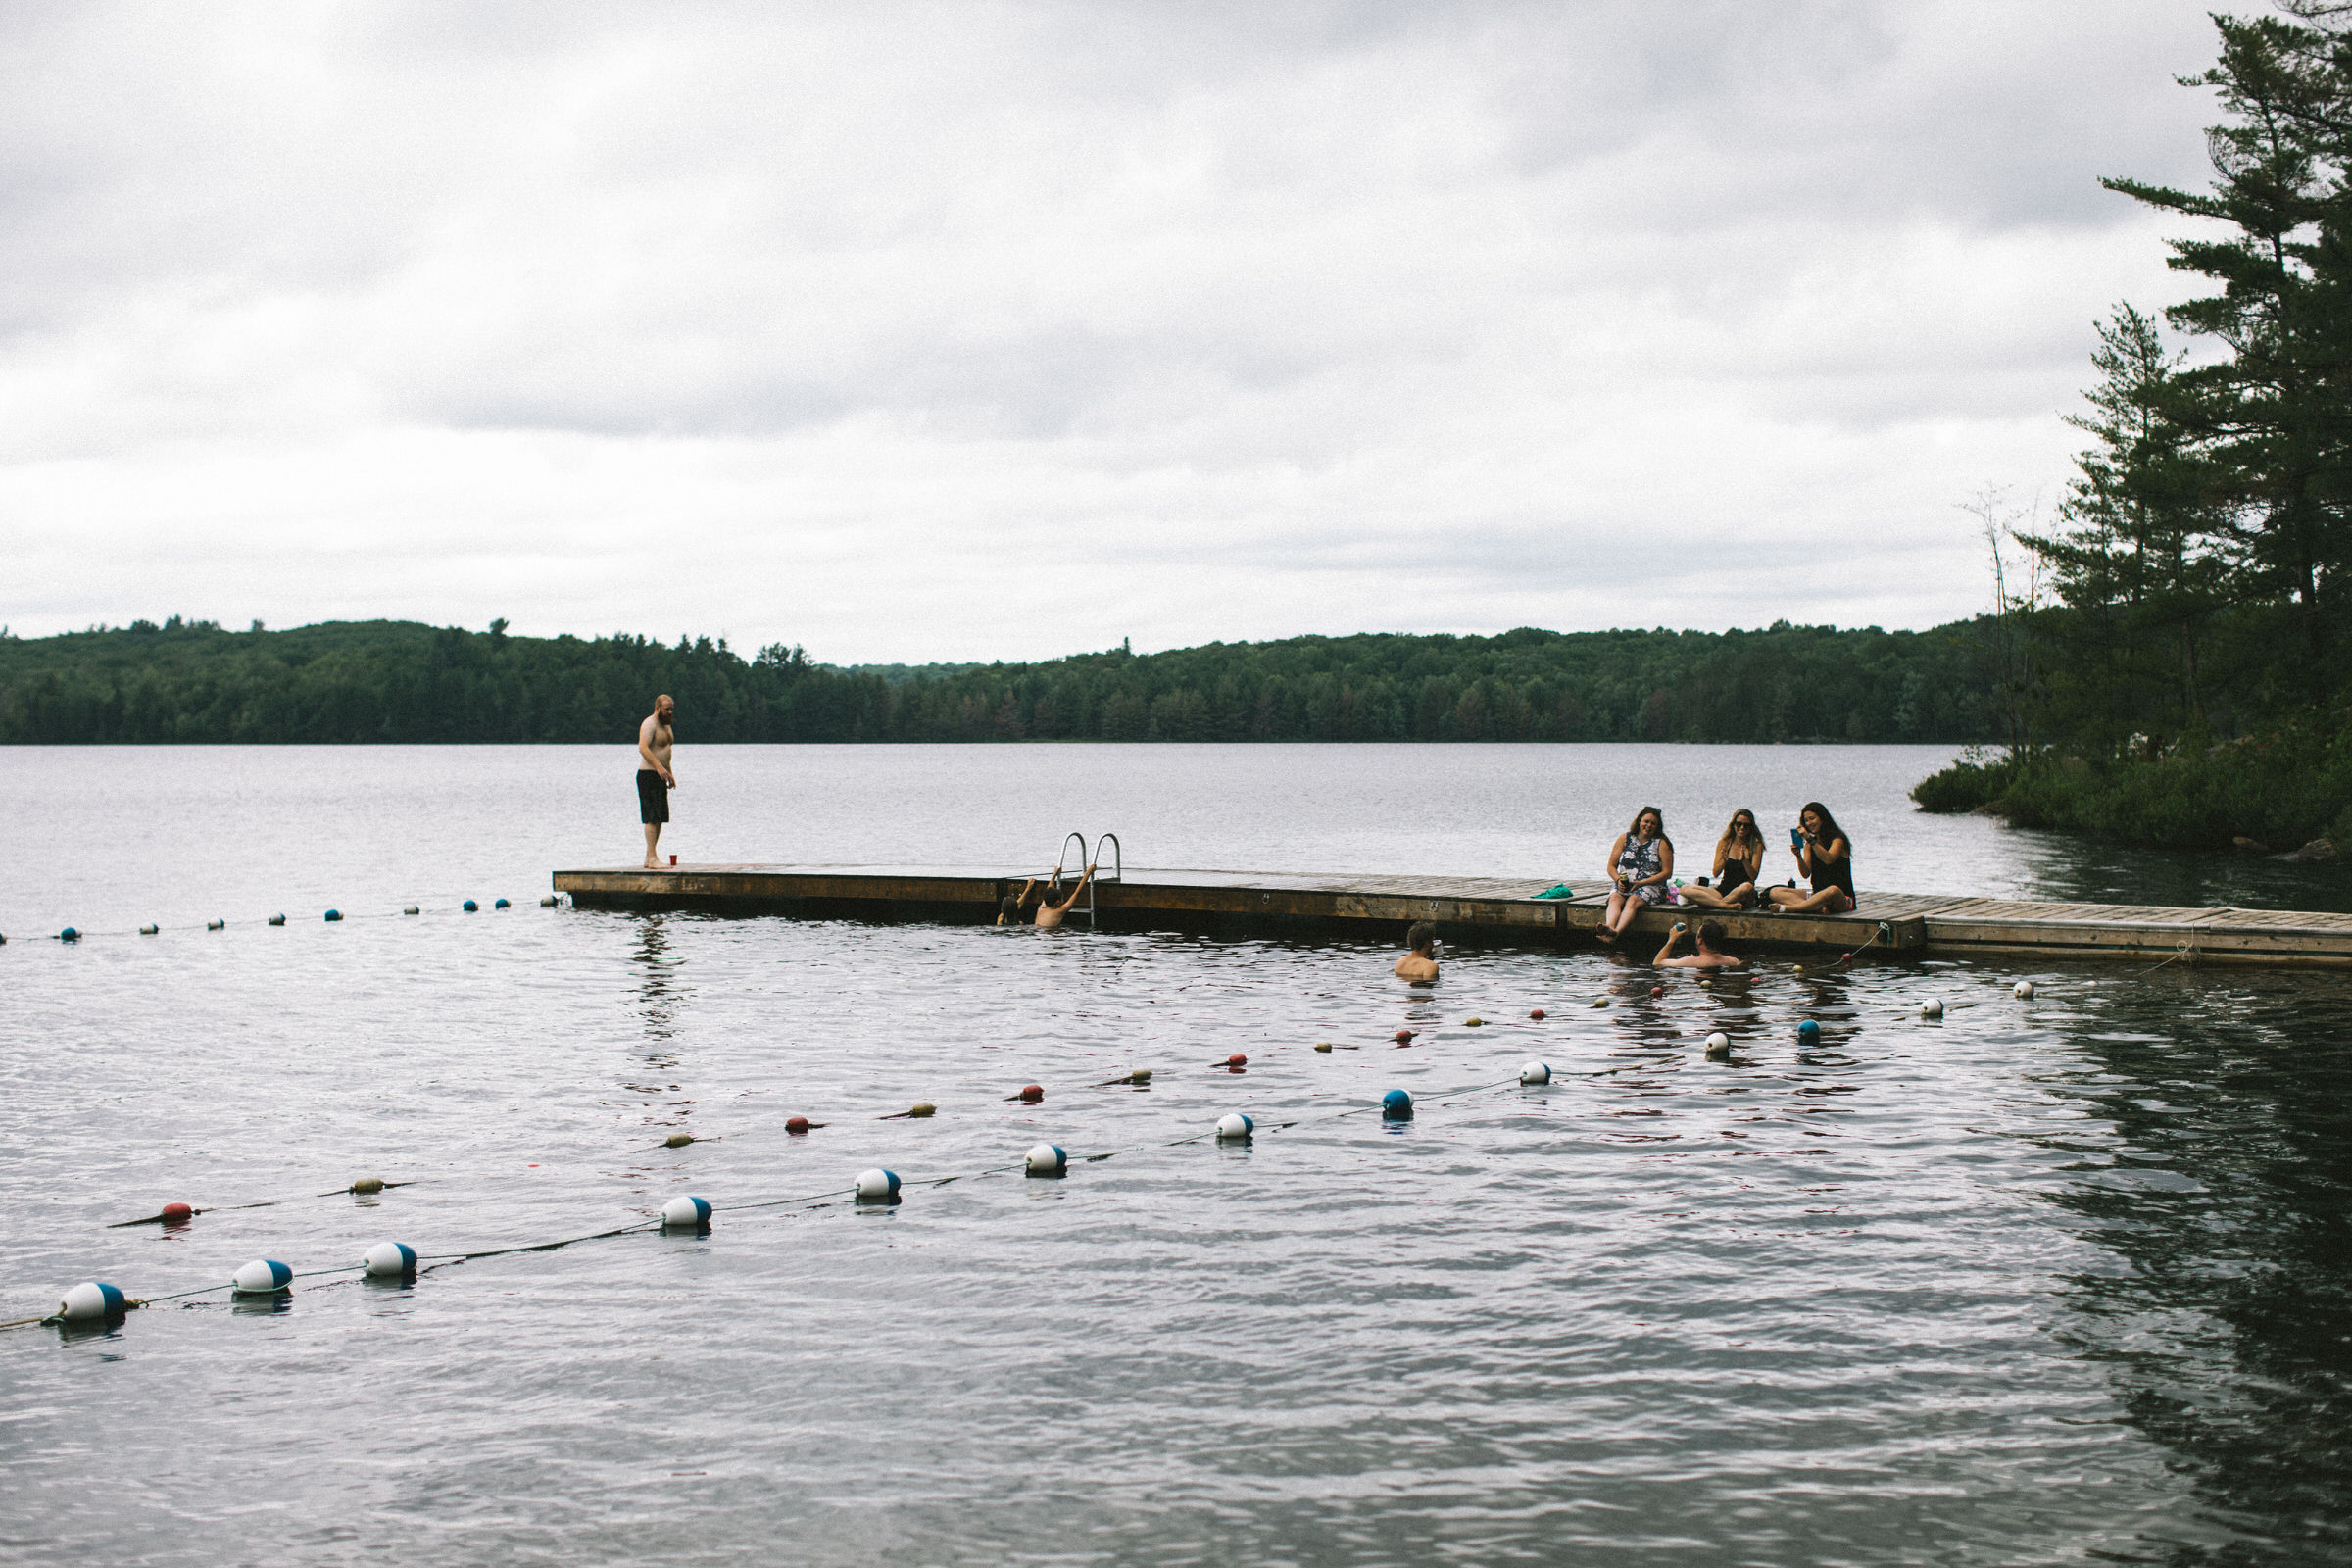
[1838,874]
[1736,870]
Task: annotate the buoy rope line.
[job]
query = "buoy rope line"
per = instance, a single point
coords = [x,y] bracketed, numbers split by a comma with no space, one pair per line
[179,1214]
[830,1196]
[71,934]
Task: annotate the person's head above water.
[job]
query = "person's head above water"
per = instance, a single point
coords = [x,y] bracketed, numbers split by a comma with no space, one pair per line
[1652,817]
[1710,936]
[1422,936]
[1008,908]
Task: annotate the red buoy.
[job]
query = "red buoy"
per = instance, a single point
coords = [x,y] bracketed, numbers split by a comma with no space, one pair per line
[1537,1013]
[1658,991]
[796,1125]
[177,1214]
[1404,1037]
[1236,1060]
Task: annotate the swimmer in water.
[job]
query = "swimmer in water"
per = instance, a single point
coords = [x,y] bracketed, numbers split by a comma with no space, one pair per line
[1710,953]
[1420,966]
[1050,914]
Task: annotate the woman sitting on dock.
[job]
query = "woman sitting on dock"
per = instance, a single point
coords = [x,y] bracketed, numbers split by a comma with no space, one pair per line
[1827,861]
[1641,865]
[1738,866]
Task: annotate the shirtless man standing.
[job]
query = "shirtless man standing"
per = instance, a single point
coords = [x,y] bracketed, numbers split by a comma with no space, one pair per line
[654,780]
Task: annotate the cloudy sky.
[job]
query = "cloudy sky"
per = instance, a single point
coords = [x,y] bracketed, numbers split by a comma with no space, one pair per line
[974,331]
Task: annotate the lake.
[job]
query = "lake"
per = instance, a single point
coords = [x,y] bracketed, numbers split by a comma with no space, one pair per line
[2057,1280]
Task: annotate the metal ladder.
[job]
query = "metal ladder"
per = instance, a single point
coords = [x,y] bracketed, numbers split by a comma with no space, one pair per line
[1102,873]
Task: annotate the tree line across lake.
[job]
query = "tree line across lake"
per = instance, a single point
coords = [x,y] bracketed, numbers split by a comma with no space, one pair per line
[402,681]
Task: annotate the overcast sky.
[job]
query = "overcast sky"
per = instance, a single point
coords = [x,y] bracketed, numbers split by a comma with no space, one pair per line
[914,332]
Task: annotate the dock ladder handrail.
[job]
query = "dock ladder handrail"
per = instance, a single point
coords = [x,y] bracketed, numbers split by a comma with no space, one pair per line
[1117,864]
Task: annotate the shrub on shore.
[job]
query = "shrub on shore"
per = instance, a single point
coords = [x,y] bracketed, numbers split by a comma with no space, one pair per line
[2282,789]
[1971,784]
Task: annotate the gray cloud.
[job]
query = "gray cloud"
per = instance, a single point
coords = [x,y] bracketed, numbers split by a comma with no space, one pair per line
[854,325]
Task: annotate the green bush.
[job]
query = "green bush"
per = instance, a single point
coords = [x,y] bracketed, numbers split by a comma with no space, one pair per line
[2283,788]
[1968,785]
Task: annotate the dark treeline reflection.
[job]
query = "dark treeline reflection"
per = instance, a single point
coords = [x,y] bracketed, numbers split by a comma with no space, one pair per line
[2216,1166]
[402,681]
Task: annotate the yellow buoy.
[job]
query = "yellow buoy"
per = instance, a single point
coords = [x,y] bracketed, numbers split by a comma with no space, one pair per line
[367,1185]
[1323,1045]
[677,1140]
[921,1108]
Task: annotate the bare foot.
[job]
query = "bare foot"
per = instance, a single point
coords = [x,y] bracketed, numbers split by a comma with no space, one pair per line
[651,864]
[1605,934]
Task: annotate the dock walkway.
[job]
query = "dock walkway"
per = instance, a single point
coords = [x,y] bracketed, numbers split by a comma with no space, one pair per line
[1482,908]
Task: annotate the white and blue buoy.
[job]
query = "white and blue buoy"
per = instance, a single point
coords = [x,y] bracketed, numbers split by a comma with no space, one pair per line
[216,925]
[91,1301]
[686,1213]
[390,1260]
[1395,1105]
[548,903]
[1045,1160]
[877,1185]
[1933,1007]
[2023,990]
[278,920]
[407,909]
[498,903]
[1536,1073]
[1719,1044]
[68,934]
[1808,1032]
[148,930]
[1232,1125]
[263,1276]
[333,915]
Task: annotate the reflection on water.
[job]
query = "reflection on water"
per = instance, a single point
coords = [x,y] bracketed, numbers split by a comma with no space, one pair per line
[2067,870]
[2214,1163]
[659,992]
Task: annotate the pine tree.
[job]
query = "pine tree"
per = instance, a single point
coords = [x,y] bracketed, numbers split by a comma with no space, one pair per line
[2273,412]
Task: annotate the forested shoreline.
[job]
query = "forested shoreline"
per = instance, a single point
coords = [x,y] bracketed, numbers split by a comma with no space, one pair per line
[2173,661]
[185,681]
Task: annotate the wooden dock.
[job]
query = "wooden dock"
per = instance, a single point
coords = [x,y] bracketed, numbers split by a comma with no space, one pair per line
[1482,910]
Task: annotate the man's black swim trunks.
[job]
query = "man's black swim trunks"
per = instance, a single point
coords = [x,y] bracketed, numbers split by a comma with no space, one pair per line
[652,797]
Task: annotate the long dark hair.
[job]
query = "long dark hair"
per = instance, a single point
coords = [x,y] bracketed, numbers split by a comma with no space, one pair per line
[1829,830]
[1632,829]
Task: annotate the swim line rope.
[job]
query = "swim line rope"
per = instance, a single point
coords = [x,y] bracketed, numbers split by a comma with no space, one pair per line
[829,1198]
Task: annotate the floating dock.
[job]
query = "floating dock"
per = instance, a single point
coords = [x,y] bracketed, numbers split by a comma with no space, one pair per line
[1490,909]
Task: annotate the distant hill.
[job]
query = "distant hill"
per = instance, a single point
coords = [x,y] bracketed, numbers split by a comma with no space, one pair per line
[391,680]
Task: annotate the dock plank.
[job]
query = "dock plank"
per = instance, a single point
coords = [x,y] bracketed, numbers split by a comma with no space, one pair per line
[1497,908]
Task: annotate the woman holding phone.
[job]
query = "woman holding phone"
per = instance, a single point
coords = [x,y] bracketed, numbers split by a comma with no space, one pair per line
[1827,860]
[1738,866]
[1640,863]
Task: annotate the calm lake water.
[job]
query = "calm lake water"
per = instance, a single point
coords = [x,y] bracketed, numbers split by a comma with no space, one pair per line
[2058,1281]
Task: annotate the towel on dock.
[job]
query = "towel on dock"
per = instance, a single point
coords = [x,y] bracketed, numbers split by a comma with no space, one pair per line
[1560,891]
